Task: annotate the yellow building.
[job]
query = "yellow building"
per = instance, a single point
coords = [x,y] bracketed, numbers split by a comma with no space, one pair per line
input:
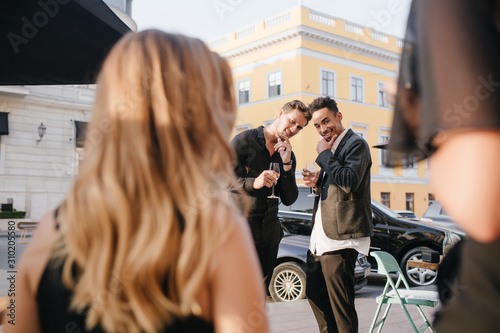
[302,54]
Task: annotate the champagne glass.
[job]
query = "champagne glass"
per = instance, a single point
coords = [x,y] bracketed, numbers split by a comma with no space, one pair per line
[276,168]
[311,167]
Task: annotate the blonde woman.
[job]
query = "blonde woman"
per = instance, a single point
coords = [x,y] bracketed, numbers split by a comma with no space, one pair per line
[147,240]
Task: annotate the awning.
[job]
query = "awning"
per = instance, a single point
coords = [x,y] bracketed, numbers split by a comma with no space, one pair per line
[382,145]
[55,41]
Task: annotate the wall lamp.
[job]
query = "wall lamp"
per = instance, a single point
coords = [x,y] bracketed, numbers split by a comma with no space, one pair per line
[41,131]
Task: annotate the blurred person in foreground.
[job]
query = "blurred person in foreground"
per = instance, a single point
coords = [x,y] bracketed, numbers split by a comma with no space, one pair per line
[255,149]
[448,109]
[342,219]
[147,239]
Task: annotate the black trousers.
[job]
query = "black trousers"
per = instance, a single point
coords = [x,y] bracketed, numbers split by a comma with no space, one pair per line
[330,290]
[266,237]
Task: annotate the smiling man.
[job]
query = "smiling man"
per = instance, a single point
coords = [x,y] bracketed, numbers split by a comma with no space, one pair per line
[342,220]
[255,150]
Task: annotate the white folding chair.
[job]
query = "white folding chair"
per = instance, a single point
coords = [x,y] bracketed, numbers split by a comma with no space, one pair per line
[404,296]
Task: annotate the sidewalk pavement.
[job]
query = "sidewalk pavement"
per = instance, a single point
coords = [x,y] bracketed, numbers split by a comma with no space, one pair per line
[297,317]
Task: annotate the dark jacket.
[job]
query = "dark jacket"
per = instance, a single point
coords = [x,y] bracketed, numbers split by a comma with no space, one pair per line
[252,157]
[345,189]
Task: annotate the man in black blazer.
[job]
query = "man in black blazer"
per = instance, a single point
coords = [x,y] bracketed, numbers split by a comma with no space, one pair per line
[342,219]
[255,149]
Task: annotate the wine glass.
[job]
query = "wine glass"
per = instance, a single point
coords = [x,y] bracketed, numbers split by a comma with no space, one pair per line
[311,167]
[276,168]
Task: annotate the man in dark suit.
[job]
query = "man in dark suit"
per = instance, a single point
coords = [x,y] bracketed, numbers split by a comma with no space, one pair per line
[342,220]
[255,149]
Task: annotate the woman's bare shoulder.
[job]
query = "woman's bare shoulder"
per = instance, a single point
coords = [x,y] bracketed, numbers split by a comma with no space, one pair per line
[237,283]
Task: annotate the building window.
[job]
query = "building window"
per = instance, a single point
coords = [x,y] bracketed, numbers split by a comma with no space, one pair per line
[356,89]
[242,128]
[2,156]
[79,154]
[4,130]
[80,134]
[431,197]
[384,153]
[360,133]
[274,84]
[244,91]
[409,161]
[385,198]
[328,83]
[4,123]
[359,129]
[410,203]
[381,95]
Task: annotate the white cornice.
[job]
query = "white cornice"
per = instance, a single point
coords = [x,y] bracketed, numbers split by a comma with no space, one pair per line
[318,36]
[300,51]
[400,180]
[349,45]
[60,102]
[288,97]
[36,96]
[386,179]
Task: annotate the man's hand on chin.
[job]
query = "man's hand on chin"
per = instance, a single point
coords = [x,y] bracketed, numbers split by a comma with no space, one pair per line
[324,145]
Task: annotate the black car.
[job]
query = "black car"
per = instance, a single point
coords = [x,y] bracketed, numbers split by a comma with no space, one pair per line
[408,214]
[403,238]
[437,215]
[289,277]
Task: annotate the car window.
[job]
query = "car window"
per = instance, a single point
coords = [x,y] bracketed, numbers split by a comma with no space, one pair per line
[297,226]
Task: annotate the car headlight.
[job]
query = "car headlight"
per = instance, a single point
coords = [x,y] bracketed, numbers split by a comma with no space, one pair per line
[362,259]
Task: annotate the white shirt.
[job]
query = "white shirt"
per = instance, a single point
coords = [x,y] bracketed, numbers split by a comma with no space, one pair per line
[320,243]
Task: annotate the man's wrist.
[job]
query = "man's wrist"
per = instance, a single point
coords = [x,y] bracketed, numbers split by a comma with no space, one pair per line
[287,163]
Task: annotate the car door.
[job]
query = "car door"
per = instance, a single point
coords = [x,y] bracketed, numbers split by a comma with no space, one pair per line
[381,236]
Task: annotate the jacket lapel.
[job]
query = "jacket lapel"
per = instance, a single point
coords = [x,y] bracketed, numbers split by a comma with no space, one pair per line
[343,142]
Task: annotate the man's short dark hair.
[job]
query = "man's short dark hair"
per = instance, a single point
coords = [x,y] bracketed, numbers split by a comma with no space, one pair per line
[323,102]
[297,105]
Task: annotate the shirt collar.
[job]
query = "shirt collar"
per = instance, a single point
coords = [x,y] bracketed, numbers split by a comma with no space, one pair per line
[338,139]
[260,134]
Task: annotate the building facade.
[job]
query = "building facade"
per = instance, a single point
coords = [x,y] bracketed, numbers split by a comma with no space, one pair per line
[42,129]
[302,54]
[298,54]
[36,171]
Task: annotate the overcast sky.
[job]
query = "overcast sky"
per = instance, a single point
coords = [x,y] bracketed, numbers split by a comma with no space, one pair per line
[210,19]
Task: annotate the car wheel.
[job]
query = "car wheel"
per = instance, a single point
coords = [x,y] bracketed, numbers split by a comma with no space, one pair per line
[288,283]
[417,276]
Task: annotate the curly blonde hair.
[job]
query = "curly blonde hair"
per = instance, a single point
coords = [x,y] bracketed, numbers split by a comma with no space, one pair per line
[150,204]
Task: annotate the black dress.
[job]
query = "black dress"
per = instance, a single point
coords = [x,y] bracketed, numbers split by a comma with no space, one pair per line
[450,80]
[53,300]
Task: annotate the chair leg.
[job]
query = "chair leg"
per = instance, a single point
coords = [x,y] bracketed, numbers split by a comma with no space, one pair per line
[381,322]
[409,317]
[386,312]
[426,323]
[374,321]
